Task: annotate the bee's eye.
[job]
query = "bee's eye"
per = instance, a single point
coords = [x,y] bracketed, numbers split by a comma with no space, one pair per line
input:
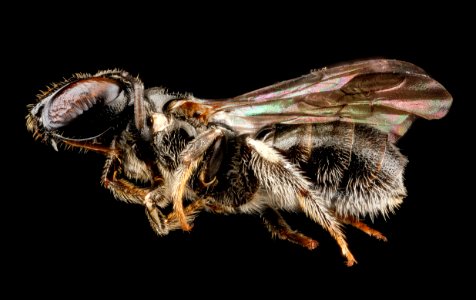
[83,108]
[103,95]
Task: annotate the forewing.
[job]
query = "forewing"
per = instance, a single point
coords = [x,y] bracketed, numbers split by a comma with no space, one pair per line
[385,94]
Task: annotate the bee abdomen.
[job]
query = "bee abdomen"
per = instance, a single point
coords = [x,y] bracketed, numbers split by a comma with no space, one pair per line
[354,167]
[372,183]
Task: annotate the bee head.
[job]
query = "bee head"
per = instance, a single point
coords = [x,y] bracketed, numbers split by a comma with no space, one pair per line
[85,107]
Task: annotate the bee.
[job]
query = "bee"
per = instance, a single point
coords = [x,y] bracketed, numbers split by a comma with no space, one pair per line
[323,144]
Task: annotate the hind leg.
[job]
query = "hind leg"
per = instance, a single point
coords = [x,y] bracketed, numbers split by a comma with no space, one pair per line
[288,189]
[279,228]
[355,222]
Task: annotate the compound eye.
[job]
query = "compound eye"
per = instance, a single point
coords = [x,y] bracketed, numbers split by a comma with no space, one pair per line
[85,107]
[83,95]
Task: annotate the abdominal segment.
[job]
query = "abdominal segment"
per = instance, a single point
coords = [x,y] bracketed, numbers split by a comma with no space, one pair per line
[354,167]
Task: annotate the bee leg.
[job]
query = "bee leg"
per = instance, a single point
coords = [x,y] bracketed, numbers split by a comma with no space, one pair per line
[190,211]
[191,156]
[285,182]
[220,209]
[128,192]
[157,219]
[363,227]
[121,188]
[162,224]
[279,228]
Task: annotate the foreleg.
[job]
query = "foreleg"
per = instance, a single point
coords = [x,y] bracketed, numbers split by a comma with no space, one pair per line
[121,188]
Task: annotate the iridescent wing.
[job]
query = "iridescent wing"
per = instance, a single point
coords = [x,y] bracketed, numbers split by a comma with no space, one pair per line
[386,94]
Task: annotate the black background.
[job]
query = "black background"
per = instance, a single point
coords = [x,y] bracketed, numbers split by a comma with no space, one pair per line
[64,231]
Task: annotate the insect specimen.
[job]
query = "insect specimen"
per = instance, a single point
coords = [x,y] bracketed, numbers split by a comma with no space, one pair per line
[322,144]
